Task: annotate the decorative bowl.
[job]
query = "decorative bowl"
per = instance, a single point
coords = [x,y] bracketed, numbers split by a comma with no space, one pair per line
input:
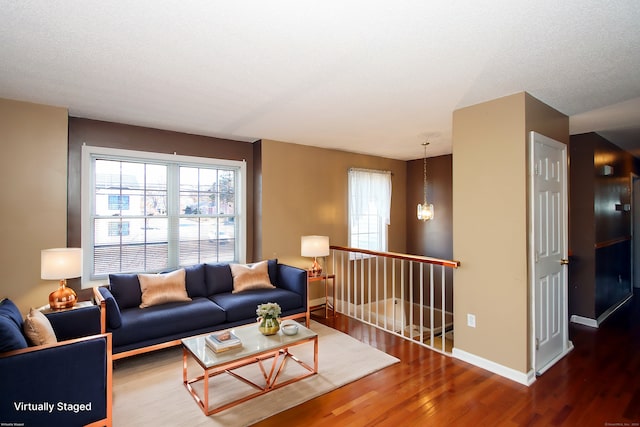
[289,329]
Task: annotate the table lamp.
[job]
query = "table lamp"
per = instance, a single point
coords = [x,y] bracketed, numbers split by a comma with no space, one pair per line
[61,264]
[314,246]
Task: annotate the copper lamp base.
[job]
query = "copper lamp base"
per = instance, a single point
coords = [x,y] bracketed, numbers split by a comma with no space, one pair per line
[62,297]
[315,270]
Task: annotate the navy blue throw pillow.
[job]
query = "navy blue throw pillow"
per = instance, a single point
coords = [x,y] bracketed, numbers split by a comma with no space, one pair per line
[195,281]
[11,336]
[126,289]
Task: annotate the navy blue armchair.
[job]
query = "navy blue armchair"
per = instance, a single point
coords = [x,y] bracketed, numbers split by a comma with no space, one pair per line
[66,383]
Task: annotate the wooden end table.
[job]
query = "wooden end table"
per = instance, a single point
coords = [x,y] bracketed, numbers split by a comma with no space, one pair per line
[46,309]
[325,279]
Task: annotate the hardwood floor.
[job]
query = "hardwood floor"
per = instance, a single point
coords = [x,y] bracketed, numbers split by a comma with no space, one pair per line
[597,384]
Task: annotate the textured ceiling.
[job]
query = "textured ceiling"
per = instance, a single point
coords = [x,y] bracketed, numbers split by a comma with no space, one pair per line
[375,77]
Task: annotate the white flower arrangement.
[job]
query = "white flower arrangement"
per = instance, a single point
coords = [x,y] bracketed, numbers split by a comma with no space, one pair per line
[270,310]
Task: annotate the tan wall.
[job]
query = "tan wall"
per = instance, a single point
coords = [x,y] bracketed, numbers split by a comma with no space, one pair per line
[546,120]
[489,230]
[490,224]
[33,168]
[304,191]
[549,122]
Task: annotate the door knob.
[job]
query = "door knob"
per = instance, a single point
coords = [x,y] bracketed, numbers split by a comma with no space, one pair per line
[564,261]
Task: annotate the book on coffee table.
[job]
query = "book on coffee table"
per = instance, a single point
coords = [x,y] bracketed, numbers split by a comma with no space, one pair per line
[222,341]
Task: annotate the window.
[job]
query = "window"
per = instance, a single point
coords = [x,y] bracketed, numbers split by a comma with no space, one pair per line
[369,209]
[147,212]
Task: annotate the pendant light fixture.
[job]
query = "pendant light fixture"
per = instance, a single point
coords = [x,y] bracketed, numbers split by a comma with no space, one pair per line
[425,210]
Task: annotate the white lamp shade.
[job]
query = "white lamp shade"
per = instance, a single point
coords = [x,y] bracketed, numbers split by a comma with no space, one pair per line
[60,263]
[314,246]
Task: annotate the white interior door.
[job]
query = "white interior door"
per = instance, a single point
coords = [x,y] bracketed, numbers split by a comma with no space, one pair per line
[548,239]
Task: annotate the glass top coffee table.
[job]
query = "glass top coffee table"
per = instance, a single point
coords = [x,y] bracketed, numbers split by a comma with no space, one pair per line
[269,353]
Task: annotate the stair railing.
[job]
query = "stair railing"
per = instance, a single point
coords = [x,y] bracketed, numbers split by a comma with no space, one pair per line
[408,295]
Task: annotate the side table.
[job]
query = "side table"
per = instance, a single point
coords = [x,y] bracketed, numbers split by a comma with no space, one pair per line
[45,309]
[324,278]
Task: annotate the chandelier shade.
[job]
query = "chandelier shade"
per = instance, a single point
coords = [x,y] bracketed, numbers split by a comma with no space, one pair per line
[425,211]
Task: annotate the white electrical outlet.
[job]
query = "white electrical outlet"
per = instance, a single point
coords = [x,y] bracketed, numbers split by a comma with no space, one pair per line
[471,320]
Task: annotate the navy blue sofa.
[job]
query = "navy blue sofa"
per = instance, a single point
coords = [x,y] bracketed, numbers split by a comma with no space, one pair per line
[73,377]
[213,306]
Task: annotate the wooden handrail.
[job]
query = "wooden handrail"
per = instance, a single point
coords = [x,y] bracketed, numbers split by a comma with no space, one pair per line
[612,242]
[418,258]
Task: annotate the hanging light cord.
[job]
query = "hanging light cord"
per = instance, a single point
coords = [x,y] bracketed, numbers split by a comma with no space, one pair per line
[424,168]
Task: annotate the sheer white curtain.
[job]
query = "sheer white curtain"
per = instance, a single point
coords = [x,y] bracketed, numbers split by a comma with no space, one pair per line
[369,196]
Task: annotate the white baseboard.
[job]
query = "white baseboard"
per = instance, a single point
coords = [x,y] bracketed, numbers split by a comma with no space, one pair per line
[595,323]
[509,373]
[586,321]
[568,348]
[316,302]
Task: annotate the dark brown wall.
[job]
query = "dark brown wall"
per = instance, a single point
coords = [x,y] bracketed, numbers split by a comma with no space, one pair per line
[432,238]
[581,228]
[613,227]
[600,235]
[114,135]
[257,201]
[611,190]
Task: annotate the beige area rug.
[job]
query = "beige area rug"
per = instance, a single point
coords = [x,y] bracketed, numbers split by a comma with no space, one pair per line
[148,389]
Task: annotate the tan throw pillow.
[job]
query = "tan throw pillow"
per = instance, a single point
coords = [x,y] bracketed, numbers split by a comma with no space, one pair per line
[163,288]
[38,329]
[246,277]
